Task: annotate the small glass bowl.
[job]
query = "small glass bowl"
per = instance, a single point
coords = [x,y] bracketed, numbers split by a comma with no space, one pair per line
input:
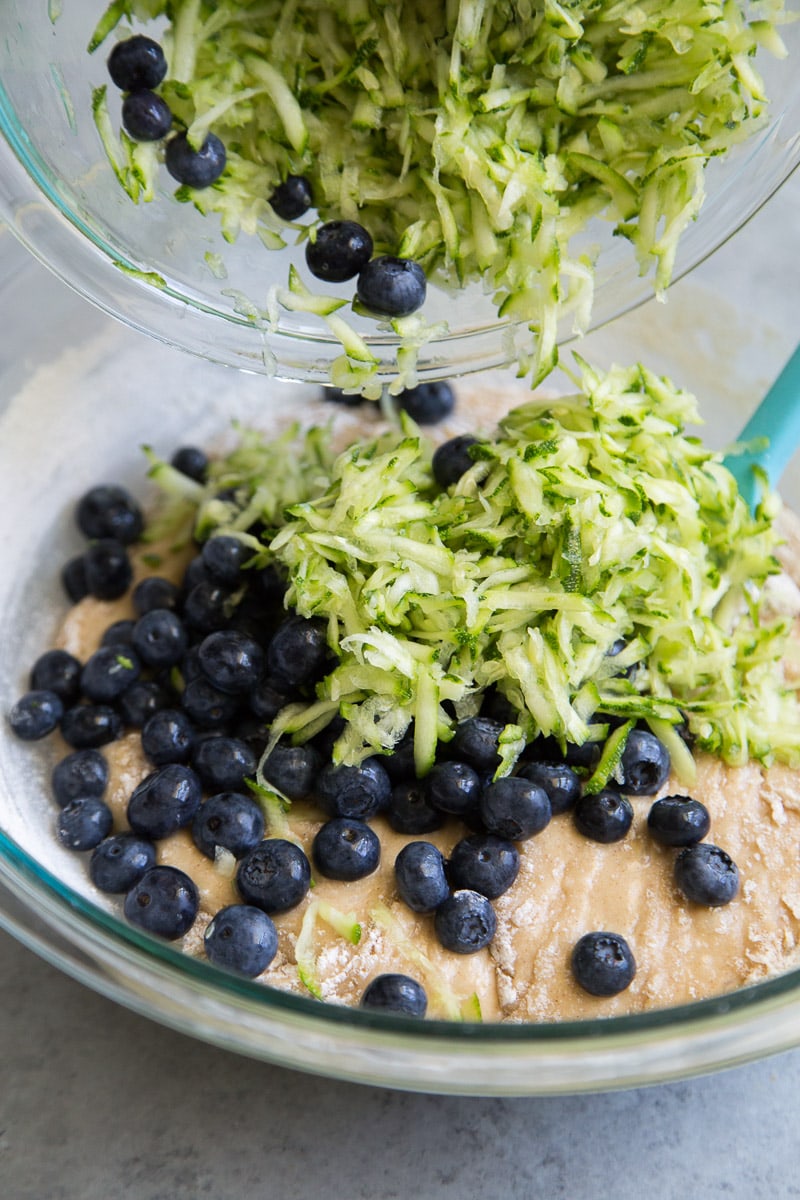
[147,264]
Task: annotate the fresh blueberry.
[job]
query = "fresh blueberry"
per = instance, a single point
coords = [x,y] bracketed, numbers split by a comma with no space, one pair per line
[268,697]
[428,403]
[208,605]
[120,633]
[410,811]
[231,820]
[335,395]
[562,785]
[88,726]
[298,653]
[36,714]
[57,671]
[83,823]
[400,765]
[678,821]
[707,875]
[292,770]
[603,963]
[108,673]
[339,250]
[392,287]
[269,585]
[168,737]
[421,877]
[358,792]
[292,198]
[498,706]
[484,863]
[223,763]
[159,638]
[82,773]
[346,849]
[141,700]
[192,462]
[241,938]
[120,861]
[644,765]
[475,742]
[206,706]
[394,993]
[583,757]
[138,62]
[164,901]
[275,876]
[224,558]
[604,816]
[109,511]
[230,661]
[465,922]
[164,801]
[195,168]
[73,577]
[453,787]
[108,569]
[515,808]
[155,592]
[146,116]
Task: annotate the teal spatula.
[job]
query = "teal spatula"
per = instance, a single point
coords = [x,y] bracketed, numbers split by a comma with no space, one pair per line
[774,430]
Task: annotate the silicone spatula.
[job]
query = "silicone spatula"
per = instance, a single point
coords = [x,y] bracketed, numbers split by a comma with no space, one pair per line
[771,436]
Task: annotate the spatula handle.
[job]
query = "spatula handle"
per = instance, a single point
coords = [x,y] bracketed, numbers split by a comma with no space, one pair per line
[777,419]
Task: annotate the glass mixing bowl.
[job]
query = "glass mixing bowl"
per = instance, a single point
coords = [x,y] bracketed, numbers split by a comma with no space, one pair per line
[147,264]
[78,396]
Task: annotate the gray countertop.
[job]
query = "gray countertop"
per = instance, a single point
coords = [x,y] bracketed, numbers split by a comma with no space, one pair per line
[98,1104]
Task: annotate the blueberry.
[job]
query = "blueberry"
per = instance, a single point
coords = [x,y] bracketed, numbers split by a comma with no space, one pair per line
[36,714]
[230,661]
[83,823]
[603,963]
[453,787]
[515,808]
[73,577]
[120,861]
[293,770]
[224,558]
[88,726]
[292,198]
[108,569]
[164,801]
[223,763]
[82,773]
[605,816]
[358,792]
[164,901]
[644,765]
[562,785]
[400,765]
[109,511]
[420,876]
[57,671]
[475,742]
[335,395]
[268,697]
[298,653]
[428,403]
[707,875]
[195,168]
[159,638]
[269,585]
[155,592]
[678,821]
[206,706]
[146,116]
[393,993]
[346,849]
[484,863]
[208,606]
[392,287]
[168,737]
[410,811]
[192,462]
[230,820]
[241,938]
[465,922]
[339,250]
[138,62]
[275,876]
[108,673]
[140,701]
[120,633]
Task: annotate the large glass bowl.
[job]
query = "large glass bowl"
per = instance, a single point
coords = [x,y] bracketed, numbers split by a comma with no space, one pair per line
[78,396]
[58,192]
